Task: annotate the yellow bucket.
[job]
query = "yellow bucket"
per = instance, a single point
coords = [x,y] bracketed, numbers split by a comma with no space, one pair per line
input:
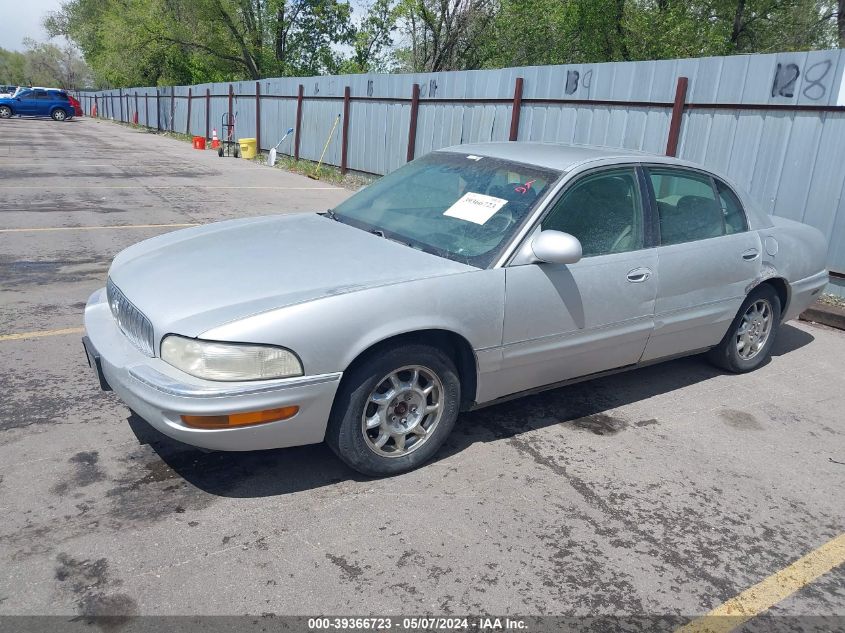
[249,147]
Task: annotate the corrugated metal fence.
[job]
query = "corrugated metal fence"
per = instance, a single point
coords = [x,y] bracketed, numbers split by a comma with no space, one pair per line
[774,123]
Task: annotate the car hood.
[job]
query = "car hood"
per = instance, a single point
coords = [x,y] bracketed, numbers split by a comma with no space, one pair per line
[192,280]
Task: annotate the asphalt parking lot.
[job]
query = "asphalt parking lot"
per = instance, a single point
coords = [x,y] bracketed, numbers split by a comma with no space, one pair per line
[663,491]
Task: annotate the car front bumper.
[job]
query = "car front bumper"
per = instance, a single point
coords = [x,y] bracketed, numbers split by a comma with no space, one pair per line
[160,393]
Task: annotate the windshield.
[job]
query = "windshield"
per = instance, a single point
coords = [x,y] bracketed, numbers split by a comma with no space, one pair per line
[459,206]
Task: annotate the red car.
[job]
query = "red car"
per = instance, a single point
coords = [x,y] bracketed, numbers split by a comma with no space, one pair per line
[77,107]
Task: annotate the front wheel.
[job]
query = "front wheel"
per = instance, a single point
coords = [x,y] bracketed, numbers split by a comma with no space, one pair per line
[59,115]
[748,343]
[395,410]
[5,112]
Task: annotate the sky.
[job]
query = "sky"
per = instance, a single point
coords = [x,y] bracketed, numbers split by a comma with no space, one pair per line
[22,18]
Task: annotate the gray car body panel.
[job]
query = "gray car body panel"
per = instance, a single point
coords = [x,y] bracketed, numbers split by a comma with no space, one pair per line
[263,264]
[330,292]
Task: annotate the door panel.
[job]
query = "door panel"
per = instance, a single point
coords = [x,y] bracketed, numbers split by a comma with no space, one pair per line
[707,260]
[566,321]
[702,285]
[27,103]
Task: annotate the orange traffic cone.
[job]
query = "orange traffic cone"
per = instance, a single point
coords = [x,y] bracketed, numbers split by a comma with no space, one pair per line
[215,142]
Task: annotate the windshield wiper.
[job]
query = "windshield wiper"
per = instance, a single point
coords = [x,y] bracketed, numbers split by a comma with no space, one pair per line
[380,233]
[331,215]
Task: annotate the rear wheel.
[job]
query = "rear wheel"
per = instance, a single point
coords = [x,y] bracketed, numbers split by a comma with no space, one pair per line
[748,343]
[395,410]
[5,112]
[58,114]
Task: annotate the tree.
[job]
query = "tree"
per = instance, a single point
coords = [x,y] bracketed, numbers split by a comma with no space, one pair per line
[12,67]
[373,39]
[840,23]
[135,42]
[445,34]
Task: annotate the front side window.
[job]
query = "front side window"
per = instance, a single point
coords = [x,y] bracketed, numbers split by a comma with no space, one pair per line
[686,205]
[456,205]
[604,211]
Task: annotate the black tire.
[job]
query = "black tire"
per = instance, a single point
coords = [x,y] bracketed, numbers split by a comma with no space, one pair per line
[345,434]
[6,112]
[59,115]
[220,152]
[726,354]
[237,153]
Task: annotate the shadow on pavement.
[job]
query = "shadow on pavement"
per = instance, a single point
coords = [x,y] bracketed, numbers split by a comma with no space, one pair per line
[583,406]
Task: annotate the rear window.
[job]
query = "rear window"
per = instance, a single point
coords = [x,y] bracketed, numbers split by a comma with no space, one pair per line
[62,96]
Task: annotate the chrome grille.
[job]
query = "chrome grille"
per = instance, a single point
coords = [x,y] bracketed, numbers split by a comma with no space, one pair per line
[130,319]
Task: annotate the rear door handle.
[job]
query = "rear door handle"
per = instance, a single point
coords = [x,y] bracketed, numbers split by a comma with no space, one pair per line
[750,255]
[639,275]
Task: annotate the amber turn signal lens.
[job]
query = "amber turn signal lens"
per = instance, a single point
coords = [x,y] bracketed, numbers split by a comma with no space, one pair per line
[239,419]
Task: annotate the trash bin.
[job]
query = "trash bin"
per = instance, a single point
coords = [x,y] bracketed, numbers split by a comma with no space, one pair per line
[199,142]
[249,147]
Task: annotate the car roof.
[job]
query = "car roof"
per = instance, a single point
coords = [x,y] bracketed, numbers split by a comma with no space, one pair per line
[563,156]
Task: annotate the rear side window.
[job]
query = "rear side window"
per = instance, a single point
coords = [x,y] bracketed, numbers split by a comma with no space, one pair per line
[735,221]
[40,94]
[687,206]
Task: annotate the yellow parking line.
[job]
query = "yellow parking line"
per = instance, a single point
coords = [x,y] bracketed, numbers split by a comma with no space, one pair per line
[96,228]
[25,335]
[777,587]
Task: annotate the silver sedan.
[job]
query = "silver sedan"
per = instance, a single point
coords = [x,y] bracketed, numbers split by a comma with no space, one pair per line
[472,275]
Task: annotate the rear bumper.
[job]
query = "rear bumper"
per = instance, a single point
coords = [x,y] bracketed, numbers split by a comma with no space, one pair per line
[160,393]
[803,293]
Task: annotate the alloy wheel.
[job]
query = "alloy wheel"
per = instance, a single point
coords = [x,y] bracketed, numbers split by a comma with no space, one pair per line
[402,411]
[754,329]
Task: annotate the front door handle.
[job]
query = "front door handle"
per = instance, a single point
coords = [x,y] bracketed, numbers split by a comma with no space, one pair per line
[639,275]
[750,255]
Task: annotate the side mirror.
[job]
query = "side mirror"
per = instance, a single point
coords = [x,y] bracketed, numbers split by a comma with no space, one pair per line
[555,247]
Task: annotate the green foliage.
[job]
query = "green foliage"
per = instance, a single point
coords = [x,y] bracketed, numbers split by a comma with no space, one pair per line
[532,32]
[44,64]
[12,67]
[143,42]
[146,42]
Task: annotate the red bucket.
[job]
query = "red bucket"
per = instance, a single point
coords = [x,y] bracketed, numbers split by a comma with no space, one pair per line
[199,142]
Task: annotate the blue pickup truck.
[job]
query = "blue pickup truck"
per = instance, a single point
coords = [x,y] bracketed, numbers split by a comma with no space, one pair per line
[38,102]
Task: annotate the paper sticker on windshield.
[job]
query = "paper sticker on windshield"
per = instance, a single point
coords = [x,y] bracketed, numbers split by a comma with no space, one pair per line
[475,207]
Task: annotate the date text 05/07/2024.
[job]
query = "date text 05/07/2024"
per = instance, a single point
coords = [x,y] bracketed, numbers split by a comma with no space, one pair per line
[417,624]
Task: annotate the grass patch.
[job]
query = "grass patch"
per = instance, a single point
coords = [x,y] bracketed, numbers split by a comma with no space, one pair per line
[327,173]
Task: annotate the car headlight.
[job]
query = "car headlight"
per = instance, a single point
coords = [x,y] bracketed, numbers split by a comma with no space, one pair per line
[229,361]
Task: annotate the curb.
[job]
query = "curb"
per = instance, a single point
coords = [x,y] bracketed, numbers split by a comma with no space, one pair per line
[832,316]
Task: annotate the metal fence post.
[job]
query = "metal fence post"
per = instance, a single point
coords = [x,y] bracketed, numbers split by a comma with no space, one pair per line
[258,116]
[231,103]
[158,110]
[137,111]
[188,124]
[412,128]
[677,115]
[172,108]
[515,109]
[344,148]
[299,97]
[207,112]
[120,102]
